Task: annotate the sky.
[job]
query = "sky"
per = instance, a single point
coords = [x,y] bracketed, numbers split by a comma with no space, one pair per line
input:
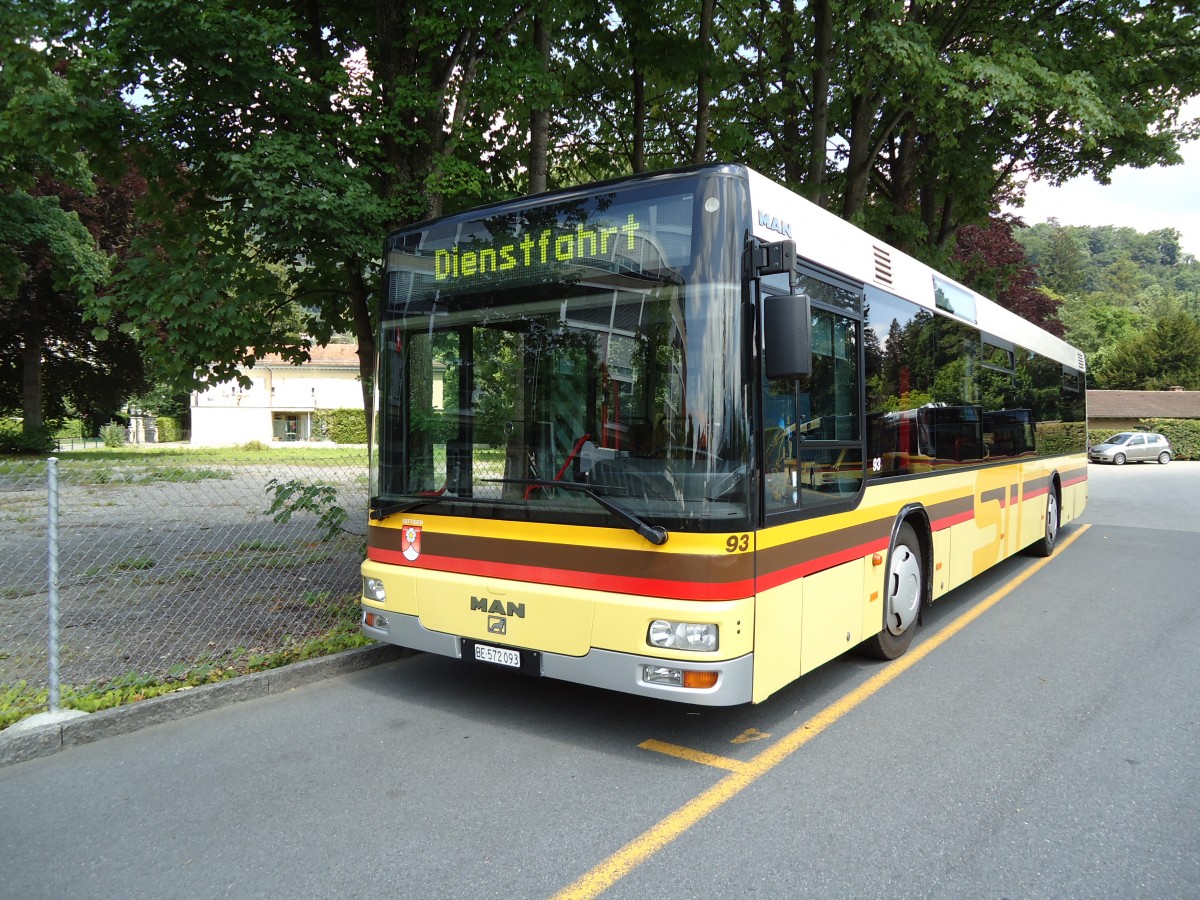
[1143,199]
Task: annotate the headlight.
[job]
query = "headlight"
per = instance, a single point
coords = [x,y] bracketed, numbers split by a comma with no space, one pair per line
[373,590]
[699,636]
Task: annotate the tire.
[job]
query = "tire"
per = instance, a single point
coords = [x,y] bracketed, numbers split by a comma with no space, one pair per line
[1044,546]
[903,597]
[1164,458]
[1119,459]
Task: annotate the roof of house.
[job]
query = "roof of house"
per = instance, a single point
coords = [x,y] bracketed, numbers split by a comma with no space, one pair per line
[1143,404]
[329,356]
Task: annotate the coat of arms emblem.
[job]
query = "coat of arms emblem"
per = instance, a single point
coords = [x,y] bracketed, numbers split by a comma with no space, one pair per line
[410,542]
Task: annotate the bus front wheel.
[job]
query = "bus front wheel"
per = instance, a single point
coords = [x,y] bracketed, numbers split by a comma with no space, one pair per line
[904,592]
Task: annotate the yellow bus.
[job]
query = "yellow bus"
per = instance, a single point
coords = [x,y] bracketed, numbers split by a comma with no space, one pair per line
[687,435]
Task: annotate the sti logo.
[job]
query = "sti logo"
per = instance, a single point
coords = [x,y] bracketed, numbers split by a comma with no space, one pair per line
[774,223]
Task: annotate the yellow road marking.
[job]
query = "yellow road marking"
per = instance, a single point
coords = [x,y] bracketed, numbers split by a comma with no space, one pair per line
[610,871]
[751,734]
[696,756]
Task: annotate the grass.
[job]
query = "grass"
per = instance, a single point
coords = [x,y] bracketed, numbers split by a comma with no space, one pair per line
[17,701]
[330,456]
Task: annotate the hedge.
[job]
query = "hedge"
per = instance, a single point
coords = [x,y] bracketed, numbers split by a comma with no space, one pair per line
[342,426]
[168,429]
[1053,438]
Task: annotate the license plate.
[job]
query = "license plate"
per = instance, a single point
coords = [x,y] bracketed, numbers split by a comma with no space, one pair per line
[501,656]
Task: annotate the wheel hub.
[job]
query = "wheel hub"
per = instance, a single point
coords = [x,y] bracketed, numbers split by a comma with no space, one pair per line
[904,590]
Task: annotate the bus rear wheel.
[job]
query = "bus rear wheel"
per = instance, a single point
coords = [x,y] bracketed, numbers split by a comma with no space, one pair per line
[903,595]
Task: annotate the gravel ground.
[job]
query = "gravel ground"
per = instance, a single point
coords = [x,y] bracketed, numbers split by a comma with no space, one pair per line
[160,571]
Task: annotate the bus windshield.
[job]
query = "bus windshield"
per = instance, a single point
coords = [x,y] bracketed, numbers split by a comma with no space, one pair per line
[579,361]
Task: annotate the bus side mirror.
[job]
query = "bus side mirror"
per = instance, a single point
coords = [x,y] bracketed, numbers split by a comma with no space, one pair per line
[787,336]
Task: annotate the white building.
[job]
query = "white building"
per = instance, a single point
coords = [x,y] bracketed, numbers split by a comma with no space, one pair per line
[279,404]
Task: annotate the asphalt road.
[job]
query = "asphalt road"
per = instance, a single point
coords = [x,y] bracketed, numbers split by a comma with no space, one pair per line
[1040,739]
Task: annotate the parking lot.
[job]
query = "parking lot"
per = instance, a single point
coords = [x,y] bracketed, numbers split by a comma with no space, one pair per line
[1040,742]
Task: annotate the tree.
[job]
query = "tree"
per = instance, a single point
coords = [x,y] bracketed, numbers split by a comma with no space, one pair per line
[1062,266]
[63,367]
[49,262]
[284,142]
[995,264]
[933,108]
[1164,356]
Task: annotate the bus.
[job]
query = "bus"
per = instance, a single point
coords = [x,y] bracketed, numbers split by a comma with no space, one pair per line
[686,435]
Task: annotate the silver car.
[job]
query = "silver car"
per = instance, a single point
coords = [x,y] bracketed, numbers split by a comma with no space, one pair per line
[1132,446]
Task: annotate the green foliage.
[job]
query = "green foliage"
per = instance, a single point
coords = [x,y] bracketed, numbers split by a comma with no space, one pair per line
[16,440]
[113,435]
[282,141]
[1184,435]
[1130,301]
[342,426]
[1051,438]
[293,496]
[169,430]
[134,563]
[1165,355]
[71,428]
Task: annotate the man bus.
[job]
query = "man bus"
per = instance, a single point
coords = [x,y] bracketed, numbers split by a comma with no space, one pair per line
[689,436]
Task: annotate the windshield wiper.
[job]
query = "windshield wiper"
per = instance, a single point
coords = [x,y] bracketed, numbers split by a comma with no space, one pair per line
[655,534]
[391,509]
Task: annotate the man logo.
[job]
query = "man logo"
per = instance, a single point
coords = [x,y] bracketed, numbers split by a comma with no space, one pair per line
[497,625]
[498,608]
[774,223]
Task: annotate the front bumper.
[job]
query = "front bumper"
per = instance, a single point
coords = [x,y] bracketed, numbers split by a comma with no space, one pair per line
[598,668]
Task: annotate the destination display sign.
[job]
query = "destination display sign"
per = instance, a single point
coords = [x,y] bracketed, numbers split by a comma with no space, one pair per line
[638,233]
[537,250]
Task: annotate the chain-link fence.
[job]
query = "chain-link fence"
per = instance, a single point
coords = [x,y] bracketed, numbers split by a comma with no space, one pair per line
[168,564]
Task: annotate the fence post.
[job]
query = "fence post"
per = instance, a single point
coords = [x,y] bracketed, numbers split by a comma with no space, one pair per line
[52,557]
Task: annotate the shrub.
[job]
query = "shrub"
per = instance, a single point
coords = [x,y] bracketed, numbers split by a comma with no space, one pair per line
[113,434]
[342,426]
[14,440]
[168,429]
[289,497]
[70,428]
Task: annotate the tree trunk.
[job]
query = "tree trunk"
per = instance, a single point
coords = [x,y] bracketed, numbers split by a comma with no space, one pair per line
[700,147]
[814,187]
[793,147]
[638,159]
[539,118]
[31,383]
[860,156]
[364,333]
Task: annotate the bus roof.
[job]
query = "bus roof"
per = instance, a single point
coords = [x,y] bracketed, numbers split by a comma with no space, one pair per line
[834,243]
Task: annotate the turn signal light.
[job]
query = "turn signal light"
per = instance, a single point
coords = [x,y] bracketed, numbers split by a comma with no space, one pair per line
[699,679]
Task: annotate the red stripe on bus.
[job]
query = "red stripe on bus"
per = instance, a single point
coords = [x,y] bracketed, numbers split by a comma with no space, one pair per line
[670,588]
[625,584]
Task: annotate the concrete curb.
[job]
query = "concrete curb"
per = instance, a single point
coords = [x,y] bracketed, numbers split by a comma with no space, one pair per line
[17,745]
